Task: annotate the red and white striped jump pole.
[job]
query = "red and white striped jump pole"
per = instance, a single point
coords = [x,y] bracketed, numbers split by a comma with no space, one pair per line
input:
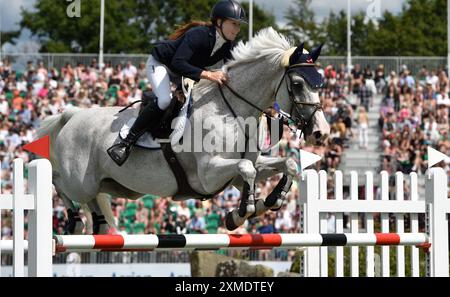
[66,243]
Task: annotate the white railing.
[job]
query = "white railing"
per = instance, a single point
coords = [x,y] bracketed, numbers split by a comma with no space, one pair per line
[58,60]
[316,209]
[38,202]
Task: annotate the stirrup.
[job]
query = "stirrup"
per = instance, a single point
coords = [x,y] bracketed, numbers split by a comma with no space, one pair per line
[118,157]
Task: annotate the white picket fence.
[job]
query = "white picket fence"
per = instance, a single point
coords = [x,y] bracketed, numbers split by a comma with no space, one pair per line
[317,208]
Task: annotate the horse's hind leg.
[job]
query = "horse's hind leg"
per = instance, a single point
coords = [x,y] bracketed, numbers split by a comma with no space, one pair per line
[74,225]
[99,222]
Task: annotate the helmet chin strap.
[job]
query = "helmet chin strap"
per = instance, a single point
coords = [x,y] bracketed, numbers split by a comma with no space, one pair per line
[221,32]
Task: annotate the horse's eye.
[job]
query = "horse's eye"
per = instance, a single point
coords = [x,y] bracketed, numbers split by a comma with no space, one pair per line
[297,86]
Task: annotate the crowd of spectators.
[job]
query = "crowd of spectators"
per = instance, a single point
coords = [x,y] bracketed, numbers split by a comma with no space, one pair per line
[414,114]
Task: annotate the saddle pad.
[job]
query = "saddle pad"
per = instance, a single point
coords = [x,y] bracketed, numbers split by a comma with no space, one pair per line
[147,141]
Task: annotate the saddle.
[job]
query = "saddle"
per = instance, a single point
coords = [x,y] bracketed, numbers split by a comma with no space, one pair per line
[163,135]
[179,109]
[163,129]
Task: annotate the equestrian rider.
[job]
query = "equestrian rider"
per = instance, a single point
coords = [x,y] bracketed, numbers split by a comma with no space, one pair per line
[187,52]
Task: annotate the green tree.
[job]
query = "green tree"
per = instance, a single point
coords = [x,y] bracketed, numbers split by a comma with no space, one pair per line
[301,25]
[9,36]
[166,15]
[336,28]
[59,33]
[261,20]
[131,26]
[420,29]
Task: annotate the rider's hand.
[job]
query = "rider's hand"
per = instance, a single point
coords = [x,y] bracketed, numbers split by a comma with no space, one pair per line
[215,76]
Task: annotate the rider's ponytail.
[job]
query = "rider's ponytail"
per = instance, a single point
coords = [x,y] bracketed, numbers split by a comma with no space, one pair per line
[182,29]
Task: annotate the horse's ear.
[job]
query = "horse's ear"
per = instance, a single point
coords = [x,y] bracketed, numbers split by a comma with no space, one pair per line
[295,57]
[315,53]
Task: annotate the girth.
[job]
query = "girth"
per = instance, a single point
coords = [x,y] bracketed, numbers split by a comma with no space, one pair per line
[184,189]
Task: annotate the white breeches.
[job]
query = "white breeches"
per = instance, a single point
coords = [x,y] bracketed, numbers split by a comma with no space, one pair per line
[159,79]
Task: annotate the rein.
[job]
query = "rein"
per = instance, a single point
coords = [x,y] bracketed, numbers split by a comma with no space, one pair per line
[299,123]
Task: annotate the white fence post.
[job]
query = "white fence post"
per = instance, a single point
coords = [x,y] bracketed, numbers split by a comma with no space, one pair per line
[438,207]
[18,219]
[400,224]
[40,219]
[309,198]
[339,196]
[414,220]
[323,191]
[370,250]
[354,225]
[385,260]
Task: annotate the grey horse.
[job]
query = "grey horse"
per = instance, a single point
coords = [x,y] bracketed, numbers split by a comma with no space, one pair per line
[84,173]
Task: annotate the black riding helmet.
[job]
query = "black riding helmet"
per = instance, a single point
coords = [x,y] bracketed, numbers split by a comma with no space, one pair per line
[228,9]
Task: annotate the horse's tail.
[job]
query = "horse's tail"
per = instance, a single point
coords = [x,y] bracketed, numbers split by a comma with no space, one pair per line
[52,125]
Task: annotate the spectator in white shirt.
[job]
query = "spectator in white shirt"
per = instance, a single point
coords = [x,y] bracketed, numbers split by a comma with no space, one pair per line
[4,107]
[129,71]
[443,99]
[433,80]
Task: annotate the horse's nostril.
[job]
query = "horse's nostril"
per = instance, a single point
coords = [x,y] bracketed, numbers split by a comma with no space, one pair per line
[317,135]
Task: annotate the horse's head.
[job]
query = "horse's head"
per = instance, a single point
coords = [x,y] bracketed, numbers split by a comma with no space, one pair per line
[297,93]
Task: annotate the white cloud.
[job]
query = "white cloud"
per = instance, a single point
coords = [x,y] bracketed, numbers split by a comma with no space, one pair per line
[10,13]
[322,8]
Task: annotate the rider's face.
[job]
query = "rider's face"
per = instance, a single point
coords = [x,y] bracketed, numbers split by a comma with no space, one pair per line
[230,28]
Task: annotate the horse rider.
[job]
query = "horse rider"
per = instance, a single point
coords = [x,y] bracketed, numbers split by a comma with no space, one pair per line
[188,51]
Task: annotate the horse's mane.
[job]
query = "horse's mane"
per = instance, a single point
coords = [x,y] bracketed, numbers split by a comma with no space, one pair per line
[268,44]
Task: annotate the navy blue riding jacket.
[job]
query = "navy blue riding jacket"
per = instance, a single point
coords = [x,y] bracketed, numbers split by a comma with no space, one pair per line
[191,53]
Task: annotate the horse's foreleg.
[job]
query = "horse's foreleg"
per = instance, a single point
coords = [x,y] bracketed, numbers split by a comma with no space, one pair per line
[236,218]
[245,168]
[269,166]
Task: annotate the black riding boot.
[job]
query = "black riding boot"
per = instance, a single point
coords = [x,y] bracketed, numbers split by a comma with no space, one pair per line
[149,117]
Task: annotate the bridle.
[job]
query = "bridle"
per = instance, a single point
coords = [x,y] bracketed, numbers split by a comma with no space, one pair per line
[305,110]
[305,114]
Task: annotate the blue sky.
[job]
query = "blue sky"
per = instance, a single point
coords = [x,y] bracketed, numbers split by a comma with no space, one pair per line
[10,9]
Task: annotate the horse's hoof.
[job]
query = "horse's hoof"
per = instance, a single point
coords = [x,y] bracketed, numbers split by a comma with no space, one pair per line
[277,205]
[255,213]
[251,209]
[275,209]
[229,222]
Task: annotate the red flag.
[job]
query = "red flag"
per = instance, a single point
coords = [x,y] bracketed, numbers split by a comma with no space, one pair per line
[39,147]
